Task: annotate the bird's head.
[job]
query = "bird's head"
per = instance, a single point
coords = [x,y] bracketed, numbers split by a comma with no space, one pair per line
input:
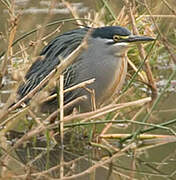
[117,38]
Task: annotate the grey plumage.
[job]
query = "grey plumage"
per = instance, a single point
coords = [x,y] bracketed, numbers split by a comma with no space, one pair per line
[102,60]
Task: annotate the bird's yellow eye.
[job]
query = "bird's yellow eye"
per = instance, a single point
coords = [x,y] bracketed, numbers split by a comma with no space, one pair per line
[116,38]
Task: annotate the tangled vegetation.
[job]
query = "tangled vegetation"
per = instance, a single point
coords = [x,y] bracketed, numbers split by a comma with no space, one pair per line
[47,146]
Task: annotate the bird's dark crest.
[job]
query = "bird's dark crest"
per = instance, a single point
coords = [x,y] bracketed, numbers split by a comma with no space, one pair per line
[108,32]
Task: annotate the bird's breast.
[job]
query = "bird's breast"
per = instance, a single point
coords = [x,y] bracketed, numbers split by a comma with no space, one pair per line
[117,80]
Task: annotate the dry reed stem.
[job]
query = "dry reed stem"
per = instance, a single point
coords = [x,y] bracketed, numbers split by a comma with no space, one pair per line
[140,136]
[22,51]
[92,95]
[35,117]
[12,117]
[170,156]
[135,69]
[75,101]
[80,85]
[169,7]
[12,32]
[105,129]
[159,16]
[114,148]
[41,29]
[107,109]
[61,103]
[52,33]
[74,13]
[142,51]
[3,162]
[133,164]
[138,113]
[122,18]
[61,122]
[159,140]
[118,96]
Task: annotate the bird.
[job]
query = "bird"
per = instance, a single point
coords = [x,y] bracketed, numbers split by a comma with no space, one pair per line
[104,59]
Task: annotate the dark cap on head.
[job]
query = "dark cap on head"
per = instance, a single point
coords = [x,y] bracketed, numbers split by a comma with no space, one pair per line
[109,31]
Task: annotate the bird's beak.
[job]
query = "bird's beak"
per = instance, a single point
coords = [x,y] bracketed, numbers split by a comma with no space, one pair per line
[134,38]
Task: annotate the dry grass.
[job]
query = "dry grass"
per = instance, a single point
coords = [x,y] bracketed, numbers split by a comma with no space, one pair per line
[127,108]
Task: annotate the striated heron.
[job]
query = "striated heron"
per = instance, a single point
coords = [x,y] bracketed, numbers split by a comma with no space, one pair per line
[104,60]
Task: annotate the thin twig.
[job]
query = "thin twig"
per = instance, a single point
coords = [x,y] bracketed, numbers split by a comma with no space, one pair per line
[61,103]
[80,85]
[102,111]
[141,136]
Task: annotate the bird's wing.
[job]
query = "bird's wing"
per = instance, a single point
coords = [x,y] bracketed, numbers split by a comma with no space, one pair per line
[61,46]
